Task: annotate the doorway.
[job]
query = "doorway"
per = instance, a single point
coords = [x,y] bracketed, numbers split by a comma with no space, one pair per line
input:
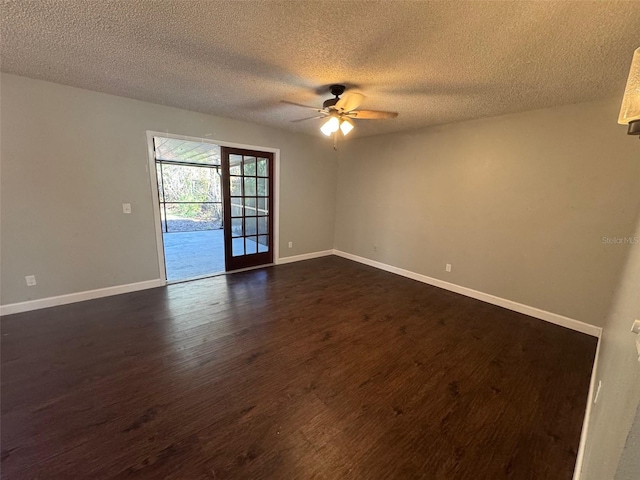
[215,206]
[190,202]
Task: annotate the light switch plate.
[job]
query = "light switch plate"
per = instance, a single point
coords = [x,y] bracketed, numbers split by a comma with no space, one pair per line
[635,328]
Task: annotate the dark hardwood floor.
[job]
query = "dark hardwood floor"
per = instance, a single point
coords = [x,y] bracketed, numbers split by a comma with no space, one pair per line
[321,369]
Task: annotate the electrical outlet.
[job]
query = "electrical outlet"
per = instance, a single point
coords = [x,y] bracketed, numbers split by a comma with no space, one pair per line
[635,328]
[290,244]
[126,208]
[31,280]
[448,267]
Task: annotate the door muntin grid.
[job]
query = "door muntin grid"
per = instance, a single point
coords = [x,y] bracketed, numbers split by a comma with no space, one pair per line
[249,189]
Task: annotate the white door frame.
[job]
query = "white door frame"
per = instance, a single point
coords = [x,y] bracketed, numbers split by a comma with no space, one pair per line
[151,167]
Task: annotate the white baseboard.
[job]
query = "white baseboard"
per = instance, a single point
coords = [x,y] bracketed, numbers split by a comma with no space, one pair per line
[577,472]
[78,297]
[117,290]
[304,256]
[485,297]
[517,307]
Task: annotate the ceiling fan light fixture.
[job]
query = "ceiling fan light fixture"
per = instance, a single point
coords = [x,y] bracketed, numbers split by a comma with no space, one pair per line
[630,110]
[346,126]
[330,126]
[339,113]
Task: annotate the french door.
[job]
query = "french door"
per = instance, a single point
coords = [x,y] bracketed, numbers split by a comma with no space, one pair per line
[247,192]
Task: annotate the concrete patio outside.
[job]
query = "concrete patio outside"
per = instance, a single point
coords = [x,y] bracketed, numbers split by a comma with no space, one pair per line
[195,254]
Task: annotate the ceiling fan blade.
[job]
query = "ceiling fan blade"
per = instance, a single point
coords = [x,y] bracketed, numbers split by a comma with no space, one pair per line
[371,114]
[300,105]
[308,118]
[349,101]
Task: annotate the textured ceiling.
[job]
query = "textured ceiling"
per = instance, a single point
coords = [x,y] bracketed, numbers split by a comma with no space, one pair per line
[433,62]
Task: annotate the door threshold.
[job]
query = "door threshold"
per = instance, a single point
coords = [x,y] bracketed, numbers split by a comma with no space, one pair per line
[199,277]
[217,274]
[251,268]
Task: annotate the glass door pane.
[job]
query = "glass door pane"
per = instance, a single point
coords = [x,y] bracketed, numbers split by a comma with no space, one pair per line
[247,178]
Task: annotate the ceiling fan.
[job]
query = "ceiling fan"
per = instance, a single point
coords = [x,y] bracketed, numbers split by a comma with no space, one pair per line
[340,112]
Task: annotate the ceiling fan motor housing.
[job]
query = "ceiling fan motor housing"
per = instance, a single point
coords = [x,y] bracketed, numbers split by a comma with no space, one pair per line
[337,90]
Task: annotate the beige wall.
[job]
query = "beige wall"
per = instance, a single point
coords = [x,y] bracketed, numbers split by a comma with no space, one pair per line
[619,371]
[629,466]
[518,204]
[71,157]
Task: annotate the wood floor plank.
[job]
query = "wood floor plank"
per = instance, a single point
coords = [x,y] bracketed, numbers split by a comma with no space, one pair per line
[320,369]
